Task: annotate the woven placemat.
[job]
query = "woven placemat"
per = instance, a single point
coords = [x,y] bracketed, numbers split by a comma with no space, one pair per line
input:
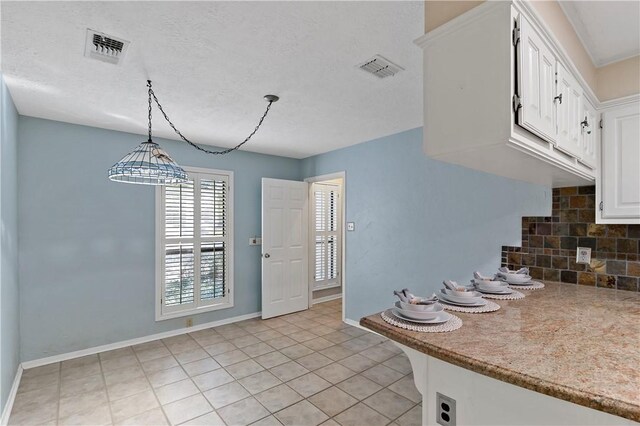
[489,307]
[515,295]
[535,285]
[454,323]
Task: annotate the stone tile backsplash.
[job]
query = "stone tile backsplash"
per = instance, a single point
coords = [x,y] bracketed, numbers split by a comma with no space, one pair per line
[549,244]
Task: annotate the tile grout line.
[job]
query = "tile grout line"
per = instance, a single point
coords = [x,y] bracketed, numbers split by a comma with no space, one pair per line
[106,390]
[135,354]
[336,327]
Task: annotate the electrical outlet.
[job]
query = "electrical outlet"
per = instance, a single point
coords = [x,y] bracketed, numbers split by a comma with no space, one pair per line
[445,410]
[583,255]
[189,322]
[351,226]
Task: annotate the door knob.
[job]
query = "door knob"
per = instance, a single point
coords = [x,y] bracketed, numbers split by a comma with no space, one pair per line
[267,255]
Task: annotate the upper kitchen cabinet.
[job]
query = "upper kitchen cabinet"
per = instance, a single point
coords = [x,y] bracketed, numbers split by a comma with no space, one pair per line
[590,134]
[501,96]
[618,184]
[537,82]
[568,112]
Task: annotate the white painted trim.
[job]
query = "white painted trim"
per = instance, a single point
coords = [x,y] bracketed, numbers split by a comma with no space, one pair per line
[338,175]
[569,10]
[160,241]
[521,6]
[457,23]
[326,298]
[614,103]
[136,341]
[8,406]
[326,187]
[528,9]
[334,285]
[354,323]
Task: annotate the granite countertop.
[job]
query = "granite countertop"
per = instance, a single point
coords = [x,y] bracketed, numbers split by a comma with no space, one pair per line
[577,343]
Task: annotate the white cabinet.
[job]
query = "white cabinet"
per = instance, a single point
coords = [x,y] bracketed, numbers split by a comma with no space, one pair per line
[618,186]
[590,129]
[489,92]
[537,82]
[569,107]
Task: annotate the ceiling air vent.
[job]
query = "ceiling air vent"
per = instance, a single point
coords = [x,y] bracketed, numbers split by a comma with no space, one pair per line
[380,67]
[104,47]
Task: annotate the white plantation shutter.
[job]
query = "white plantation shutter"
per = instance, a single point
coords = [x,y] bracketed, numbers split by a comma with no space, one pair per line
[195,244]
[326,228]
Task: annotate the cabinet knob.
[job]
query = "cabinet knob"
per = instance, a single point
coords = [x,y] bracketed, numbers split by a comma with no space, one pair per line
[558,98]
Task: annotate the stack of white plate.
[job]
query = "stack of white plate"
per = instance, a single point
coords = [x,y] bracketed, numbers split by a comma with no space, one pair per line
[517,279]
[469,299]
[422,314]
[492,287]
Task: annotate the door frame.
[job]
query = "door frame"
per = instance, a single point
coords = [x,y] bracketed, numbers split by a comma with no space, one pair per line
[343,237]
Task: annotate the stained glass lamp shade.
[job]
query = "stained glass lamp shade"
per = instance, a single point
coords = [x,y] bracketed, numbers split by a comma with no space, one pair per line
[148,164]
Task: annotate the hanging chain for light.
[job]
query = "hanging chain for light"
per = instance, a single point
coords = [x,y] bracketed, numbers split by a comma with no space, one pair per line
[269,98]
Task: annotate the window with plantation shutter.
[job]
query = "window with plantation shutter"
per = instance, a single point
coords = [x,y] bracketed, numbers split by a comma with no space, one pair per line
[194,244]
[326,233]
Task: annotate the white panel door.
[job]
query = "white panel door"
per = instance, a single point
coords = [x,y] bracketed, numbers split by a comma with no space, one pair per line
[537,83]
[569,107]
[621,162]
[285,230]
[590,129]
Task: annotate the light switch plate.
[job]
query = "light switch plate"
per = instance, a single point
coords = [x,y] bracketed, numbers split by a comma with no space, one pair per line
[583,255]
[351,226]
[255,241]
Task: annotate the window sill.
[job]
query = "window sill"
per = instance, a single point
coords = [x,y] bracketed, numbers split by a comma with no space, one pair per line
[326,287]
[190,312]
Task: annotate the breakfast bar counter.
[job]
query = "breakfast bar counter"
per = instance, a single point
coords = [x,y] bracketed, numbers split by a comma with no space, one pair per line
[569,342]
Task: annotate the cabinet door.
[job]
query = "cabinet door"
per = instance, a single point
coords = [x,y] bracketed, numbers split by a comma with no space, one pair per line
[620,174]
[590,133]
[568,104]
[536,78]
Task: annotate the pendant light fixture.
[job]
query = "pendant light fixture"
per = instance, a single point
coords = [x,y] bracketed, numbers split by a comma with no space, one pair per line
[149,164]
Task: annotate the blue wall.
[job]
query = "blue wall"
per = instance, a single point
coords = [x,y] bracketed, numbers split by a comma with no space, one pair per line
[419,221]
[9,292]
[87,244]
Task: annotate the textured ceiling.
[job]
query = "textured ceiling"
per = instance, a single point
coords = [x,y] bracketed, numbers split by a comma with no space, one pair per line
[609,30]
[211,63]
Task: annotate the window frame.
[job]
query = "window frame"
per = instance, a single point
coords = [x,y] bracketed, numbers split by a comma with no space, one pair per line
[337,281]
[160,248]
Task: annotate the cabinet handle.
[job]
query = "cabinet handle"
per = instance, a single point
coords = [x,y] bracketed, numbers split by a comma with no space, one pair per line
[559,98]
[584,124]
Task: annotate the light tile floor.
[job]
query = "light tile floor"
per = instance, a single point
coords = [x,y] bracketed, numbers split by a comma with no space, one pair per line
[306,368]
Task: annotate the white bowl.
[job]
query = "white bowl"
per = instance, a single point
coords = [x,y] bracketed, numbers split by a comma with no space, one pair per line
[517,278]
[463,300]
[422,315]
[417,308]
[490,284]
[465,294]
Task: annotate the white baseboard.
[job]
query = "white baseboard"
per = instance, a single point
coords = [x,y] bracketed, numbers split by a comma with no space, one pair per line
[6,411]
[327,298]
[357,324]
[124,343]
